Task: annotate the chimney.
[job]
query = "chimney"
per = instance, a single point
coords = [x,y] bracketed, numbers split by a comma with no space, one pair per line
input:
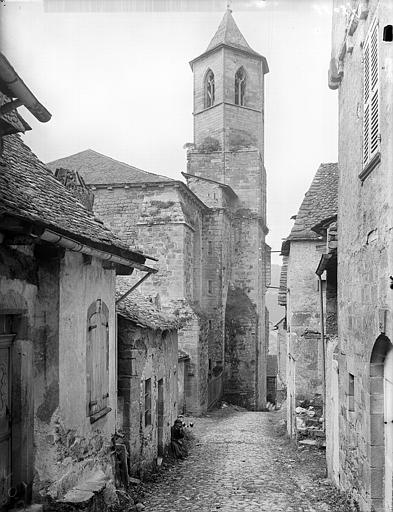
[74,182]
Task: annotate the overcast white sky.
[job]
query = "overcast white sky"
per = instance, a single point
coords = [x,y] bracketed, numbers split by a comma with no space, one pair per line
[119,83]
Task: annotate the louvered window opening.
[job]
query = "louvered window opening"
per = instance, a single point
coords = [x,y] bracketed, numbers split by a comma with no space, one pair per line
[240,87]
[97,360]
[210,89]
[371,136]
[147,402]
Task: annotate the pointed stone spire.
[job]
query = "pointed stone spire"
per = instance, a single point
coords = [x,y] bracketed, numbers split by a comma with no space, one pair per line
[229,34]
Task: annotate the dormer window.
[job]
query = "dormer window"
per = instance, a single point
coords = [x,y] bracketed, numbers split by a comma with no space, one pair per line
[240,86]
[209,89]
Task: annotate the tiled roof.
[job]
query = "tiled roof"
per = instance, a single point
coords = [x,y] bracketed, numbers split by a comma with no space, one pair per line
[229,34]
[98,169]
[282,292]
[138,308]
[29,191]
[319,203]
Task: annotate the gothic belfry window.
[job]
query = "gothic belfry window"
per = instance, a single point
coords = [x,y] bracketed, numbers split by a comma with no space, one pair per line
[209,89]
[240,86]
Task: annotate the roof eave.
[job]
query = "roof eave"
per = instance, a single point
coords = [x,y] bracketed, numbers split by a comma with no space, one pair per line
[241,50]
[76,243]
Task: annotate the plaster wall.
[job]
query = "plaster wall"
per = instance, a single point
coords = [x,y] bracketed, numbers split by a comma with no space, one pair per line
[303,317]
[49,293]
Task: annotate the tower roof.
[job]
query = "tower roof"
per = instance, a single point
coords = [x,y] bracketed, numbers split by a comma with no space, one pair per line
[228,34]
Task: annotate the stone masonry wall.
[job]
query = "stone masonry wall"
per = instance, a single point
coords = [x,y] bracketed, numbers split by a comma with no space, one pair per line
[145,354]
[304,318]
[365,263]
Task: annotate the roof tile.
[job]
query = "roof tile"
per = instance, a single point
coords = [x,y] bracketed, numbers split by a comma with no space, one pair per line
[319,203]
[28,190]
[98,169]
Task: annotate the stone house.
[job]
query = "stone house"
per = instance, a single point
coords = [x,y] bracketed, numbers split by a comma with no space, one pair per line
[209,235]
[58,265]
[147,378]
[361,70]
[300,291]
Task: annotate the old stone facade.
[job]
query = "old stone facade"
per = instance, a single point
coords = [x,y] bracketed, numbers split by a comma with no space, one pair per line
[300,292]
[208,235]
[58,266]
[361,70]
[147,380]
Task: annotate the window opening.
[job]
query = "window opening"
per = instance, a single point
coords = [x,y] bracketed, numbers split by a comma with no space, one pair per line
[240,86]
[147,402]
[371,136]
[209,89]
[210,286]
[388,33]
[351,392]
[210,247]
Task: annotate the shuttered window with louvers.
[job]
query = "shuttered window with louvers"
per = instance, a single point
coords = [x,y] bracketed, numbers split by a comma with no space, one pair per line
[97,360]
[371,133]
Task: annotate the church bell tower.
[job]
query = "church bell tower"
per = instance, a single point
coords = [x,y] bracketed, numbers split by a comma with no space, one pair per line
[225,169]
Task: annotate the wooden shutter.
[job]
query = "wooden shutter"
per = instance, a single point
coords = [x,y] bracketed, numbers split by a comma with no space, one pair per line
[371,136]
[97,358]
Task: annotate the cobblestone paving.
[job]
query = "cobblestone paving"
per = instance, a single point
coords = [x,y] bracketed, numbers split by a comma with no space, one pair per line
[238,463]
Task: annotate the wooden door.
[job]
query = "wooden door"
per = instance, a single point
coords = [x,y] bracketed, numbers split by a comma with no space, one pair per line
[5,417]
[388,399]
[160,417]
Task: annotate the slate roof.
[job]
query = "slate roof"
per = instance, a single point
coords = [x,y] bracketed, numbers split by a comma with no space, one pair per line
[98,169]
[29,191]
[138,309]
[319,203]
[229,34]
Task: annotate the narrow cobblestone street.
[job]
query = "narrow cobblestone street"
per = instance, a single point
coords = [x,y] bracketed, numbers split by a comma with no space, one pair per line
[241,462]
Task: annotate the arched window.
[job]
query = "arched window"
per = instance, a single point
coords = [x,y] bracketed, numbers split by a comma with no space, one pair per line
[240,86]
[209,89]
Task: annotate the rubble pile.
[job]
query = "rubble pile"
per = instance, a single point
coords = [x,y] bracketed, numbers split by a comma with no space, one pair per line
[309,422]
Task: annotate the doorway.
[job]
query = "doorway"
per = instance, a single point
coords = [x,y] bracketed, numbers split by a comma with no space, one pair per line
[6,339]
[381,425]
[160,418]
[388,423]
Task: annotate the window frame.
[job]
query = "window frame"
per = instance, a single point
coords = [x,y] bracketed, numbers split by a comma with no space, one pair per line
[209,99]
[147,416]
[371,137]
[97,384]
[240,93]
[351,392]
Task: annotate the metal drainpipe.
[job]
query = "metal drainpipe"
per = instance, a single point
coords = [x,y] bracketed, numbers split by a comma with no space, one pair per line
[19,90]
[323,352]
[133,287]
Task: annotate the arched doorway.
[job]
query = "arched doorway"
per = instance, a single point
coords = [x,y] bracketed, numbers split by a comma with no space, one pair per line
[381,424]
